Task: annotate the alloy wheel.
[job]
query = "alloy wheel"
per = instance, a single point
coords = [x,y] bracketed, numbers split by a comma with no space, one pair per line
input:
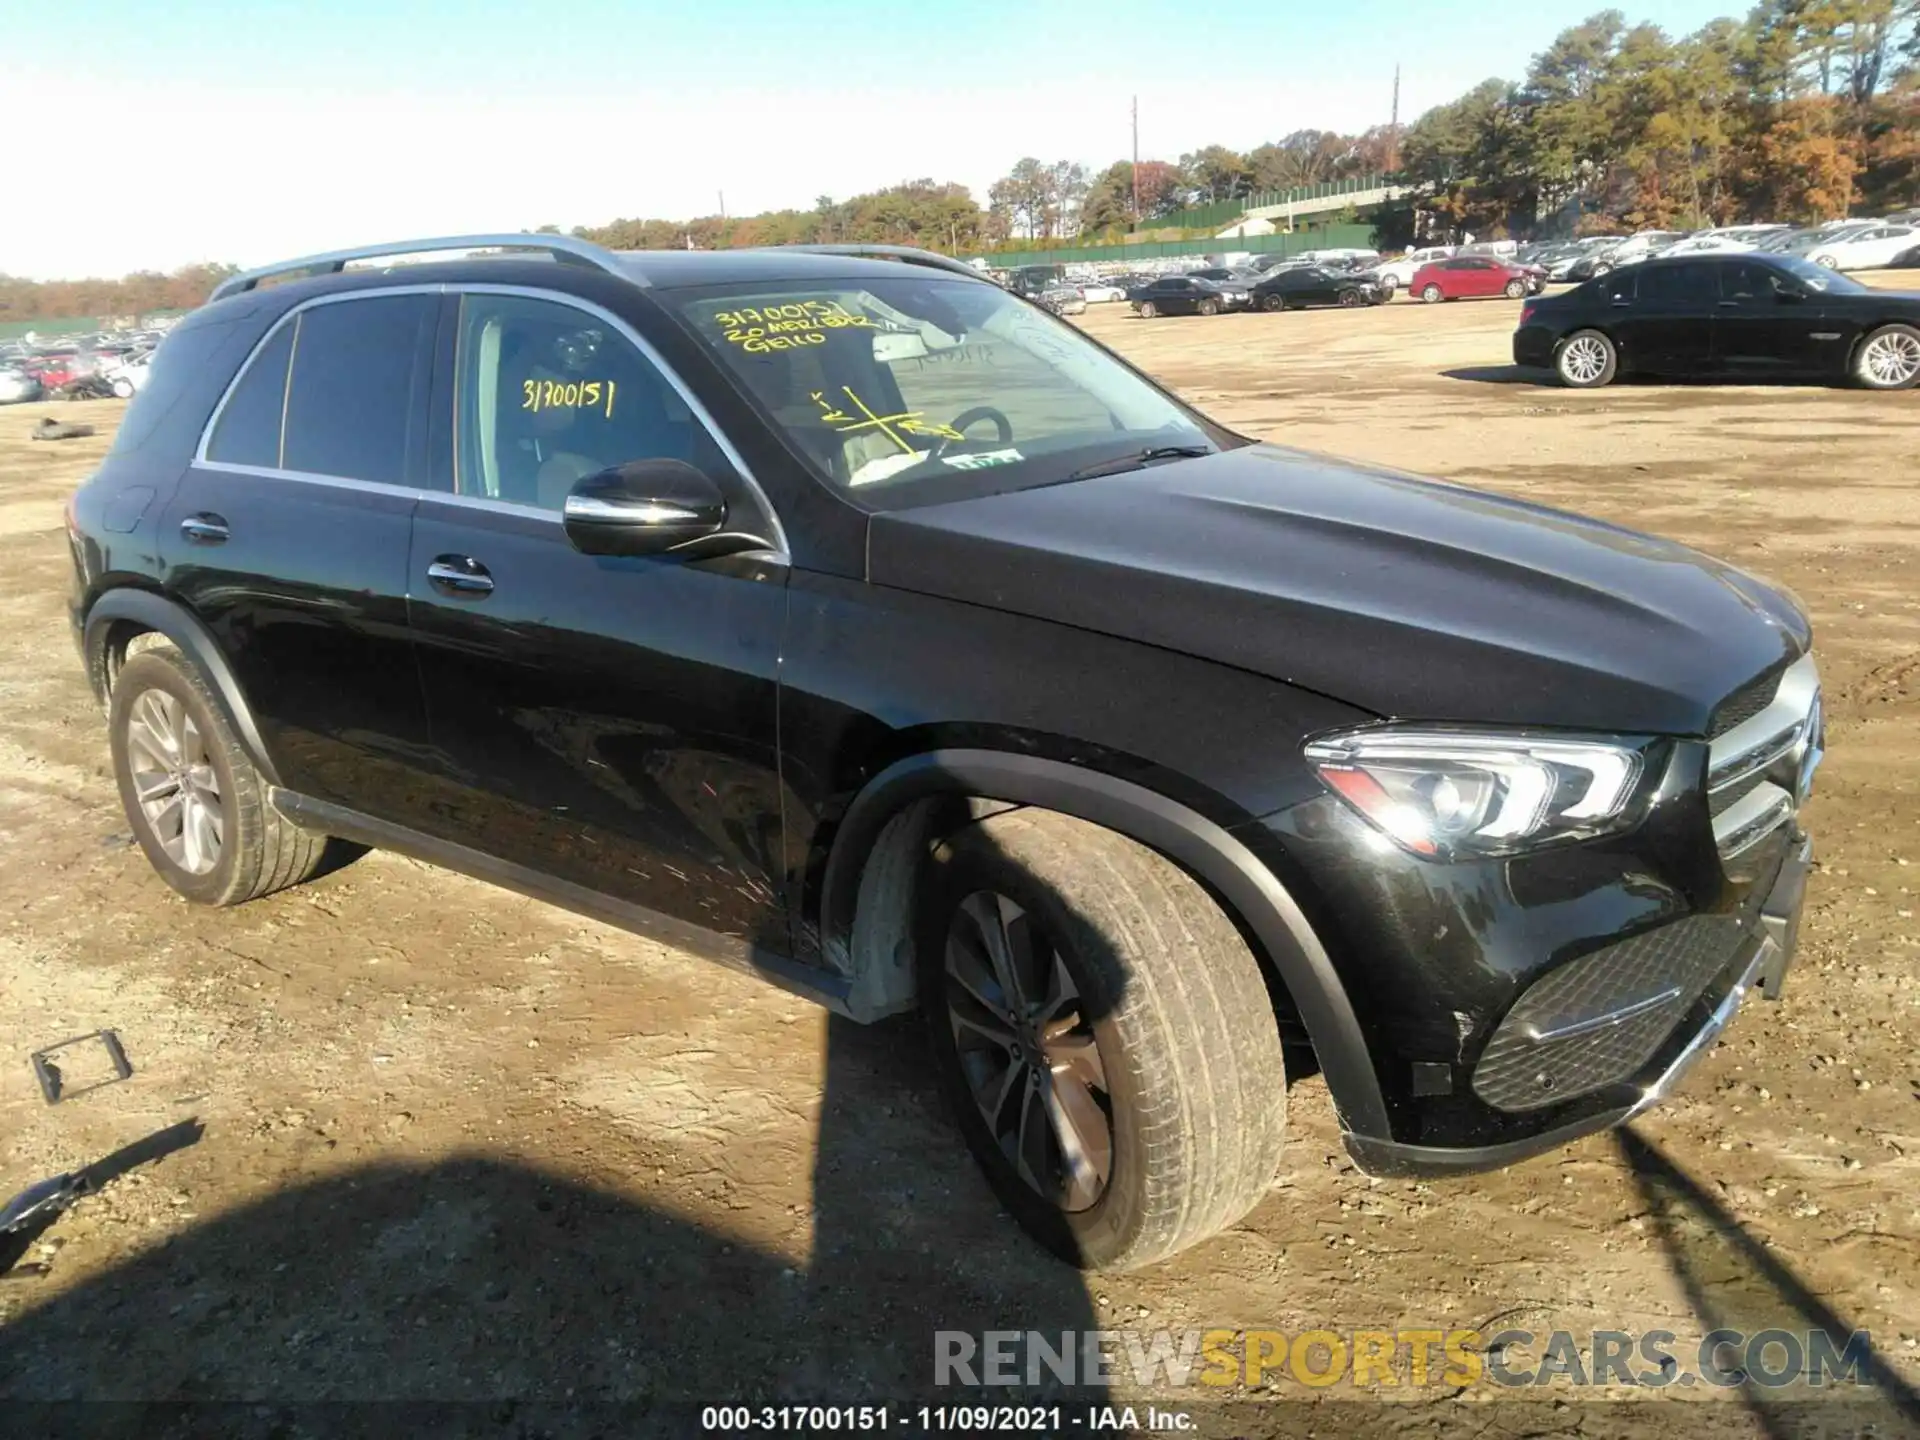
[1027,1051]
[1584,360]
[175,781]
[1891,359]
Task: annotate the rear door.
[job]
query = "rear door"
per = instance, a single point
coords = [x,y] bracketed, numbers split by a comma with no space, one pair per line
[1668,329]
[608,722]
[288,538]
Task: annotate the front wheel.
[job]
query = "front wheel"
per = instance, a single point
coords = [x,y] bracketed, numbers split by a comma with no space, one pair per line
[1390,285]
[1104,1036]
[1148,310]
[1586,360]
[123,389]
[1889,358]
[1516,289]
[1432,294]
[1208,307]
[1826,262]
[1350,299]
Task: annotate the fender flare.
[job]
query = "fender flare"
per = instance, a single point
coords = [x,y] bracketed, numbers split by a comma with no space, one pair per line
[153,611]
[1205,849]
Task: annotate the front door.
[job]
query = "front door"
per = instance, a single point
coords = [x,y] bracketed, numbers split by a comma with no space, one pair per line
[288,538]
[1768,324]
[607,722]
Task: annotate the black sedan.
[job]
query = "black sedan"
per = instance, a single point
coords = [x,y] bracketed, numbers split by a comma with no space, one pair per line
[1315,285]
[1748,316]
[1184,295]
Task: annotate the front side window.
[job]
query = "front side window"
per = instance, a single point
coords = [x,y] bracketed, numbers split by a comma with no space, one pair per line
[548,394]
[892,385]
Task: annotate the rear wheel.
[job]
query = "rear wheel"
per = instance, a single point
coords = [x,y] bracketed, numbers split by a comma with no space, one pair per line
[197,805]
[1586,360]
[1273,303]
[1828,262]
[1432,294]
[1889,358]
[1390,285]
[1104,1035]
[1148,310]
[123,389]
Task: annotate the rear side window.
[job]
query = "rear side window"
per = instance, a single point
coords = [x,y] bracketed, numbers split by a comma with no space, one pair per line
[1677,282]
[351,401]
[248,432]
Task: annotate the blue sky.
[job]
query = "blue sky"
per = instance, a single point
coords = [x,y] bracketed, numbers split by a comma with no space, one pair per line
[254,132]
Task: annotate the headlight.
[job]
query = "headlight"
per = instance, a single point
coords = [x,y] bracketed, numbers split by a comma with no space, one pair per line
[1451,794]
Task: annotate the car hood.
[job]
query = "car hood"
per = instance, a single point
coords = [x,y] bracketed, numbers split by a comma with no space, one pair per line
[1406,597]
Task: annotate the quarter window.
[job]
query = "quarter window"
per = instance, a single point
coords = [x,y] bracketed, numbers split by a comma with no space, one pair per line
[249,429]
[548,395]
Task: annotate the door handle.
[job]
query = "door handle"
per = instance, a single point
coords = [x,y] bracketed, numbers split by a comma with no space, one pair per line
[205,529]
[459,575]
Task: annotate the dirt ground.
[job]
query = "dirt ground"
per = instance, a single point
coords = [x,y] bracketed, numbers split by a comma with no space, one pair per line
[421,1139]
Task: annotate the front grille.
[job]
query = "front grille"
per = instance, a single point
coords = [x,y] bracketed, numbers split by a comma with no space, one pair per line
[1557,1041]
[1745,703]
[1722,800]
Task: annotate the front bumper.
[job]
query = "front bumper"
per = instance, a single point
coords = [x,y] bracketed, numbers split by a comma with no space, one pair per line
[1761,964]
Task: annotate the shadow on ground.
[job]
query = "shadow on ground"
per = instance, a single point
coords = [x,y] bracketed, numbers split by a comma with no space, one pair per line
[474,1280]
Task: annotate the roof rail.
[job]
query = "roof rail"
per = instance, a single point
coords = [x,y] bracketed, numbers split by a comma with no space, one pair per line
[565,248]
[905,254]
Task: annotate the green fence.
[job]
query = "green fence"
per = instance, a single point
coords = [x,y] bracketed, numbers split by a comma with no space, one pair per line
[1314,237]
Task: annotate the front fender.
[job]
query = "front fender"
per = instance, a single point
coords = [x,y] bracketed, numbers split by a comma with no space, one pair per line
[1204,849]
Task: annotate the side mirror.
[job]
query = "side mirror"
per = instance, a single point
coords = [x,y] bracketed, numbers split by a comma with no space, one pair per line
[645,507]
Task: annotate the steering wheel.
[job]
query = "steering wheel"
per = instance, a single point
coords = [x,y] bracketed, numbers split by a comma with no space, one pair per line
[1003,429]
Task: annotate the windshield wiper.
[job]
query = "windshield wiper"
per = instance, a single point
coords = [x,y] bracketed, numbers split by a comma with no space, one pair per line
[1139,459]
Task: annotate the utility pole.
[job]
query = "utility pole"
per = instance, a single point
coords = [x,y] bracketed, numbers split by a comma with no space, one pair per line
[723,204]
[1393,126]
[1136,160]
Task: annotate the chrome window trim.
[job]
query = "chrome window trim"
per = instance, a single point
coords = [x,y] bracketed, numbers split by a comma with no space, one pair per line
[782,552]
[781,549]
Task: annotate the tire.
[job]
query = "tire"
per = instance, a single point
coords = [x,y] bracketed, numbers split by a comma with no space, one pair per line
[1585,360]
[1273,304]
[1516,289]
[1826,262]
[1390,285]
[1351,299]
[255,851]
[1208,307]
[1889,358]
[1170,1004]
[1148,310]
[1432,294]
[123,389]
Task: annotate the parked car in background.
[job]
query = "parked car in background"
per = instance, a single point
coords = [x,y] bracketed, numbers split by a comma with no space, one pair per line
[1063,300]
[129,377]
[1236,286]
[1627,250]
[1870,248]
[1465,277]
[1185,295]
[17,386]
[1707,245]
[1398,274]
[1752,316]
[1102,292]
[1310,285]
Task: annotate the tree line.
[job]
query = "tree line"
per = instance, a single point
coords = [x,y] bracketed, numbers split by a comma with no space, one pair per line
[1804,110]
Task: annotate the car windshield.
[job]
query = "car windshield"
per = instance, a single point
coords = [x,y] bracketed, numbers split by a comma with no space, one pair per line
[897,388]
[1818,277]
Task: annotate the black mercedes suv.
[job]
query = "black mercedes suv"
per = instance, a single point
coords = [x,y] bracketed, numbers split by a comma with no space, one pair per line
[837,614]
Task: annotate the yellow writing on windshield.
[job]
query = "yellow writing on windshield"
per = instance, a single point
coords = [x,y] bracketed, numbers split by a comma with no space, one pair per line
[767,329]
[538,395]
[907,422]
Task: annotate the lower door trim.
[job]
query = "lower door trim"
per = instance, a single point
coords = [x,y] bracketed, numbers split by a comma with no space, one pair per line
[326,818]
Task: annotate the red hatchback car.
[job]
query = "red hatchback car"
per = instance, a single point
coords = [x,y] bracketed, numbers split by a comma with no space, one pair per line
[1463,276]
